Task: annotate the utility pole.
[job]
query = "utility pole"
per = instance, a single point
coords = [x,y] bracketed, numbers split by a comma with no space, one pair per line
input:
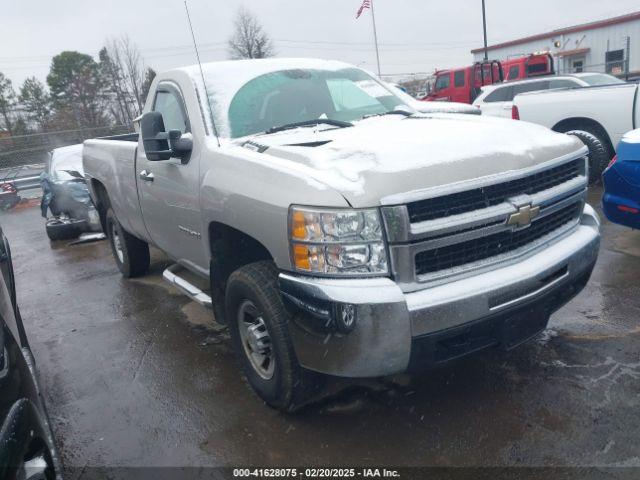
[484,27]
[375,37]
[627,54]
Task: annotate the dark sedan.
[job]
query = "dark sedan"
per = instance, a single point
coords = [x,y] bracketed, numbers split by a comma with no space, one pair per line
[27,449]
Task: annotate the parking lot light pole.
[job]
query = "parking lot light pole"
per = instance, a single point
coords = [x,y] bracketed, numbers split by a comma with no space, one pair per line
[484,27]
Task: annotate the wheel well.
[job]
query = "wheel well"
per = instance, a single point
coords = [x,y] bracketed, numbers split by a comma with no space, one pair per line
[587,124]
[230,250]
[101,201]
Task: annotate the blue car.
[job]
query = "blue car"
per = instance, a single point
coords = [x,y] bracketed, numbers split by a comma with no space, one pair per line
[621,201]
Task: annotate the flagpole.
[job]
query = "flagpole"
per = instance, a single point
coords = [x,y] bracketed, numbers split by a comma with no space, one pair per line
[375,37]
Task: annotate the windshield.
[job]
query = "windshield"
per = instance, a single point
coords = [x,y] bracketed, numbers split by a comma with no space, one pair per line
[600,79]
[442,82]
[301,95]
[404,96]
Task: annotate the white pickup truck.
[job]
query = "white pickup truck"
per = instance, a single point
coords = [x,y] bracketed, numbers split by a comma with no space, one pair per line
[337,231]
[598,115]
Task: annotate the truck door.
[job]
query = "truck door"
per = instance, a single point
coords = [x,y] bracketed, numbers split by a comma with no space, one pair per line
[461,87]
[442,88]
[169,189]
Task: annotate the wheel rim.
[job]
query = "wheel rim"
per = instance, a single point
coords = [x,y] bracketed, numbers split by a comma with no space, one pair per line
[117,243]
[256,340]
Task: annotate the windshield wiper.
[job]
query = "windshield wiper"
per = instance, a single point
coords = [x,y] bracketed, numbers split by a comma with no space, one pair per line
[309,123]
[390,112]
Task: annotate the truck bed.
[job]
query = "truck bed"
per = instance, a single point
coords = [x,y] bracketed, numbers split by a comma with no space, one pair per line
[613,107]
[112,161]
[126,137]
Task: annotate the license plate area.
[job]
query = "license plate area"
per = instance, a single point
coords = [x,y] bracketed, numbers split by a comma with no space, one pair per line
[523,326]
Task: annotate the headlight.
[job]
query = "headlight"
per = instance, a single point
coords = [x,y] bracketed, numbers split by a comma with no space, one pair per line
[341,242]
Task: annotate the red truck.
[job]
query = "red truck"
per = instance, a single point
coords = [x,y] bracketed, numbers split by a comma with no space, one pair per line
[463,84]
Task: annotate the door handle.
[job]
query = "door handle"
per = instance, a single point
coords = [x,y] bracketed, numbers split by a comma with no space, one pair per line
[146,176]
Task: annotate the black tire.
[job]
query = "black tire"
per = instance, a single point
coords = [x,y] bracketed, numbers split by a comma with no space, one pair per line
[290,386]
[130,253]
[599,155]
[59,230]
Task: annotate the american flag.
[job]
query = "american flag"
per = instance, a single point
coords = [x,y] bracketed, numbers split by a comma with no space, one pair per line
[365,4]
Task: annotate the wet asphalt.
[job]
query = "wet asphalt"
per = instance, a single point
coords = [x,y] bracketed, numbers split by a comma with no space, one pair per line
[135,374]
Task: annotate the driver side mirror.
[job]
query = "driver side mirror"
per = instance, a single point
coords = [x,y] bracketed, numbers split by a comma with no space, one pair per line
[158,143]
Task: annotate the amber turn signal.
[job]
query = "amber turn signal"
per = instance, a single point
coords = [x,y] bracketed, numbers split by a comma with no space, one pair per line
[298,229]
[301,257]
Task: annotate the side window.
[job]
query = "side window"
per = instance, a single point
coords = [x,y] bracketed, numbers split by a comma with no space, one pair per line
[537,68]
[562,84]
[458,78]
[443,81]
[530,87]
[500,95]
[514,72]
[168,103]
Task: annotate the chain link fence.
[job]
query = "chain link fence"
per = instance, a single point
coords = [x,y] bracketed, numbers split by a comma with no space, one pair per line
[32,148]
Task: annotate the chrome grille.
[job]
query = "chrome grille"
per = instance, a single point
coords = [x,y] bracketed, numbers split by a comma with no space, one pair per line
[478,249]
[491,195]
[450,234]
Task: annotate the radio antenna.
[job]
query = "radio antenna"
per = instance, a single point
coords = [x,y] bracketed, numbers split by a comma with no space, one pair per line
[204,83]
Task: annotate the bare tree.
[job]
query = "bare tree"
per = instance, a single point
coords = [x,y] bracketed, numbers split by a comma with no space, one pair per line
[249,39]
[133,68]
[115,88]
[124,72]
[149,75]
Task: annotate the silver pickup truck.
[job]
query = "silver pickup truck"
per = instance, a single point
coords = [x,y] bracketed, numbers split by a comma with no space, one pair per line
[336,230]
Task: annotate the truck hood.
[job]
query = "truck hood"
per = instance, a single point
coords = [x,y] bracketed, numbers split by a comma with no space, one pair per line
[380,160]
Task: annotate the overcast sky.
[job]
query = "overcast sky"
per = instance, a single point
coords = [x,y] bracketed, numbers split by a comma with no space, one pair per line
[414,35]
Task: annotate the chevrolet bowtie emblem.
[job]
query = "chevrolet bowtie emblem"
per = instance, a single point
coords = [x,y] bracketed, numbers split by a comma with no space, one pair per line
[524,215]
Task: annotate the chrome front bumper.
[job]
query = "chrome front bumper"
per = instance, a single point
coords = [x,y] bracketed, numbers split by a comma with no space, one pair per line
[388,320]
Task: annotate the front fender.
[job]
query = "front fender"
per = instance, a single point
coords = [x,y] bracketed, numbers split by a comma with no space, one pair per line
[252,193]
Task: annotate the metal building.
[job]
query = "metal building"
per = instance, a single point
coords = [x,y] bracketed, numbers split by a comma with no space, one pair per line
[611,46]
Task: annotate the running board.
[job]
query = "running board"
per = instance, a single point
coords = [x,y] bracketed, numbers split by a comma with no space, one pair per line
[186,287]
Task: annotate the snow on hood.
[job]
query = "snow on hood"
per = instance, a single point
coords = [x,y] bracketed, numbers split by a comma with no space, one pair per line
[380,159]
[445,107]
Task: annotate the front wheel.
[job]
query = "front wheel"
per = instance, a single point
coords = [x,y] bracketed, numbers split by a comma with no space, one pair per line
[259,326]
[130,253]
